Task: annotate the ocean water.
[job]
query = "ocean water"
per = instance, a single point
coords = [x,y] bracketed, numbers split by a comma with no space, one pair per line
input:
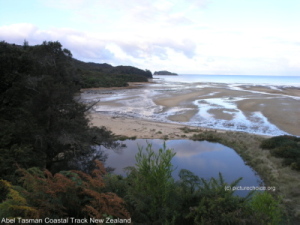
[265,105]
[234,79]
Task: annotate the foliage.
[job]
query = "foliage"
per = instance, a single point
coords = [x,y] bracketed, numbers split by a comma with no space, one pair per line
[71,194]
[116,184]
[188,130]
[105,68]
[218,205]
[287,147]
[105,75]
[151,191]
[207,136]
[39,117]
[13,204]
[267,208]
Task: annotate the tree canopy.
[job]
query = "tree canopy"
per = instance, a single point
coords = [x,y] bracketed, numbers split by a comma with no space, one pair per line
[41,123]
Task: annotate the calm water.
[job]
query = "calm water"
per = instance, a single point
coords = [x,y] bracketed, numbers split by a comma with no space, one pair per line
[203,158]
[234,79]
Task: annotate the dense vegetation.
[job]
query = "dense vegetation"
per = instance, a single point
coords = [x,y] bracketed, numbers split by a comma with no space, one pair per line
[105,75]
[40,194]
[49,166]
[286,147]
[149,195]
[41,123]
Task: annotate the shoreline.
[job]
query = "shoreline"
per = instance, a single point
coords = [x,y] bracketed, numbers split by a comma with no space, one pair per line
[266,109]
[143,129]
[131,85]
[147,129]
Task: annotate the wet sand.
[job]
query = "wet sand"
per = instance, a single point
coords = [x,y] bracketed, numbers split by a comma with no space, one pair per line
[280,106]
[280,111]
[285,118]
[290,91]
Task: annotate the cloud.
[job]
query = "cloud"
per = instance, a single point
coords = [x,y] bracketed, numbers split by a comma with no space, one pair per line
[161,34]
[120,13]
[142,48]
[198,52]
[17,32]
[100,46]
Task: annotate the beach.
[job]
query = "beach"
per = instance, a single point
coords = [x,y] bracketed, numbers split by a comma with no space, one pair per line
[160,109]
[140,128]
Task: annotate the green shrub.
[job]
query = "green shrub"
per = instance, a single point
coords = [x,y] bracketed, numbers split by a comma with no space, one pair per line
[266,208]
[219,205]
[207,136]
[286,147]
[284,140]
[151,185]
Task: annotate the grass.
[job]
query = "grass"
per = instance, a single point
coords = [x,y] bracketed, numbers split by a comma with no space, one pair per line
[189,130]
[284,179]
[123,138]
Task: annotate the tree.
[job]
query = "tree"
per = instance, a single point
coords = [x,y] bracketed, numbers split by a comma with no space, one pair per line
[150,192]
[16,121]
[41,123]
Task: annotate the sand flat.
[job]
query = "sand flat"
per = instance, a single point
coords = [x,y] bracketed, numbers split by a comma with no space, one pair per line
[268,111]
[290,91]
[285,115]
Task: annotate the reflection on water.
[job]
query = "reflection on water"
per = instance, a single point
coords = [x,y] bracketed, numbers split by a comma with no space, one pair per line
[204,159]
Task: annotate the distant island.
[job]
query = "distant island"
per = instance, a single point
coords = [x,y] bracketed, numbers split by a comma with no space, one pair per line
[164,72]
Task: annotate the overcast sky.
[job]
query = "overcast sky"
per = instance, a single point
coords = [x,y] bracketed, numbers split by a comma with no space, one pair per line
[251,37]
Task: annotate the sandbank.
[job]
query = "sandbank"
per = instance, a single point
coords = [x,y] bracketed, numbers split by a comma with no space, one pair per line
[139,128]
[280,107]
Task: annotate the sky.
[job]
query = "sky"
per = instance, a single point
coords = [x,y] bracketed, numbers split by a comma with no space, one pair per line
[234,37]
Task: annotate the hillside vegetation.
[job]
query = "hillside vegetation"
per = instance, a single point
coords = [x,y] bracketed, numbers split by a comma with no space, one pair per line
[105,75]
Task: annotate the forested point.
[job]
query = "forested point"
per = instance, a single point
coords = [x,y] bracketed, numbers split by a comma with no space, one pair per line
[50,165]
[105,75]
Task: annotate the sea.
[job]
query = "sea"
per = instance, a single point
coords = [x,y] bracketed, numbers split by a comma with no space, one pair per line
[234,79]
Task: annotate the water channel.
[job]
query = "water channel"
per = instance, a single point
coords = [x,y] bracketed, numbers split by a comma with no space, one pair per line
[204,159]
